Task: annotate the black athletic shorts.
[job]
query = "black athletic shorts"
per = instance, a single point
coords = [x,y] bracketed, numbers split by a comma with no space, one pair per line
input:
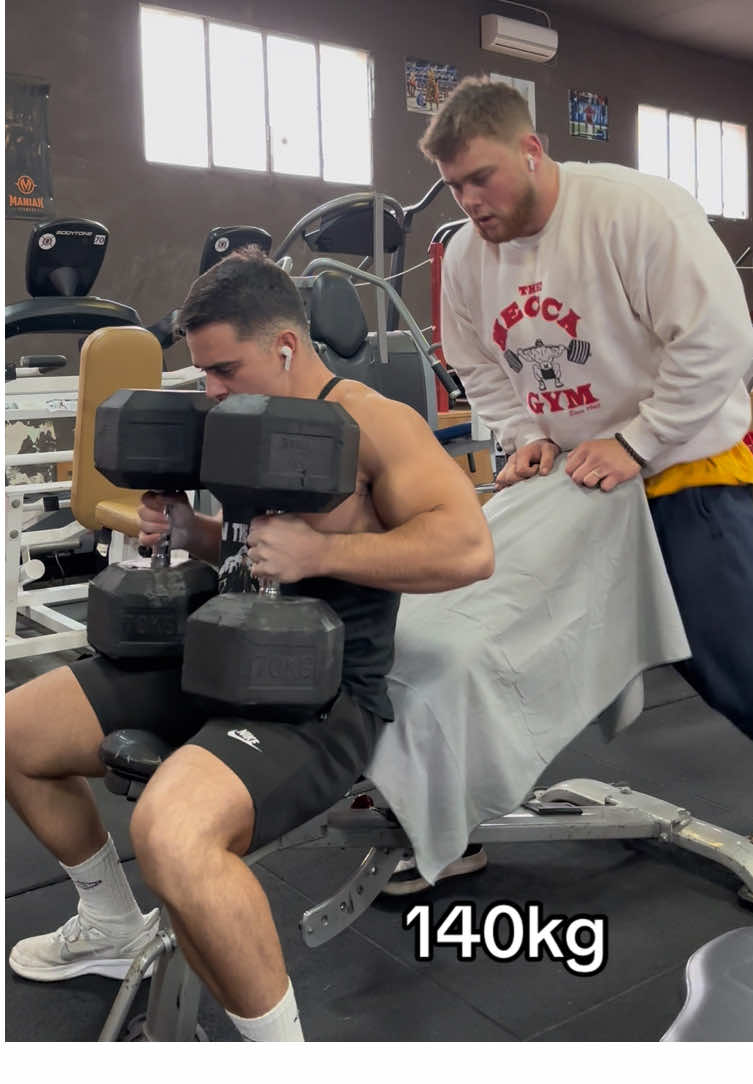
[292,770]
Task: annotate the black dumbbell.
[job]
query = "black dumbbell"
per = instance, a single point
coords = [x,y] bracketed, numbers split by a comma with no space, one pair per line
[150,440]
[260,455]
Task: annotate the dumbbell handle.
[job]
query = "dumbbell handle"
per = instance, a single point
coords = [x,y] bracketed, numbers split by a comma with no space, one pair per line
[161,552]
[270,587]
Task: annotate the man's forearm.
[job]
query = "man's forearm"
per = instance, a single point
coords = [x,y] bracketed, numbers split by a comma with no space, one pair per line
[431,553]
[204,539]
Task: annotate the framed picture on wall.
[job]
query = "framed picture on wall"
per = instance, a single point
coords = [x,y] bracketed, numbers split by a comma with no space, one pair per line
[427,84]
[589,117]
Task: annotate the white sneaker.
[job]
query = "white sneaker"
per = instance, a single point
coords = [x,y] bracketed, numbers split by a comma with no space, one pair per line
[79,948]
[406,879]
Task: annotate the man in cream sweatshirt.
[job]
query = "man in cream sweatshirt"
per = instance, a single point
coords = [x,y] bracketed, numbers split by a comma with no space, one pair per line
[591,311]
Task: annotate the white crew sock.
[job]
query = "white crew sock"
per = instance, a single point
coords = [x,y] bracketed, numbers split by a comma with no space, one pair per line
[280,1025]
[106,897]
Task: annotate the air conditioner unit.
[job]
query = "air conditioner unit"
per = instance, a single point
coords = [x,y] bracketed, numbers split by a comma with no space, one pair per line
[516,38]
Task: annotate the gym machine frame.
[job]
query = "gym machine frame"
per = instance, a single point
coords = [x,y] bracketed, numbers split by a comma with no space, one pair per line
[49,398]
[62,633]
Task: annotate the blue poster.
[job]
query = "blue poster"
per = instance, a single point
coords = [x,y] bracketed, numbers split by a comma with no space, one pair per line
[588,115]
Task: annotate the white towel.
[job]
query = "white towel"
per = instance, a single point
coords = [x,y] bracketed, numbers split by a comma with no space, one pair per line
[492,681]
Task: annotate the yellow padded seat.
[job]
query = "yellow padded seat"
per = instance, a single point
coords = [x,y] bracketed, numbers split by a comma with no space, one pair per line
[111,358]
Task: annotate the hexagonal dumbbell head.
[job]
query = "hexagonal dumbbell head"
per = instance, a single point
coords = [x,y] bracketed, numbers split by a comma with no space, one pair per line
[292,455]
[249,650]
[151,439]
[137,612]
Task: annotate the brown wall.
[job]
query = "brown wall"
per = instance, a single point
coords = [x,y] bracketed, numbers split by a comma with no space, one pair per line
[158,215]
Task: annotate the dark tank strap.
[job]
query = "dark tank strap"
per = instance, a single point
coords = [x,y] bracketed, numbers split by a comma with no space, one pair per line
[328,387]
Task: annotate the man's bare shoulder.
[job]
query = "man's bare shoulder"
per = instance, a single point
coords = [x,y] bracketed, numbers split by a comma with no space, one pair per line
[371,409]
[391,432]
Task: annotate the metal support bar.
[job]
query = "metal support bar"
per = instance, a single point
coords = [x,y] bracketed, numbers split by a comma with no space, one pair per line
[49,618]
[23,647]
[164,943]
[38,487]
[34,459]
[67,592]
[13,522]
[381,307]
[326,920]
[173,1007]
[673,824]
[63,633]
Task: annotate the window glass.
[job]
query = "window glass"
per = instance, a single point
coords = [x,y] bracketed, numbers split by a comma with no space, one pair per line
[293,106]
[734,170]
[682,151]
[236,67]
[346,115]
[174,88]
[709,165]
[652,140]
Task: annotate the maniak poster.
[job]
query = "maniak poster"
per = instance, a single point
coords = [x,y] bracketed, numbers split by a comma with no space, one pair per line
[28,186]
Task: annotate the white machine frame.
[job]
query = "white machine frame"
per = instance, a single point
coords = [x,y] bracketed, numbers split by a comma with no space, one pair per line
[49,397]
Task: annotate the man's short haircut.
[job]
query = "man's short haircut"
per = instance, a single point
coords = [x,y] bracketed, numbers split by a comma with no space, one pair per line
[477,107]
[248,291]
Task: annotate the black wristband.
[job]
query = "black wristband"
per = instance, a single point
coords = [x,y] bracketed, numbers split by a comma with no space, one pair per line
[630,451]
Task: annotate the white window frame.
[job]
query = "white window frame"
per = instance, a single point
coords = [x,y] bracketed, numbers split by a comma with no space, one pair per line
[669,113]
[207,20]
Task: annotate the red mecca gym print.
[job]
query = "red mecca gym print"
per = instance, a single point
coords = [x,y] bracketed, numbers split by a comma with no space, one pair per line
[547,362]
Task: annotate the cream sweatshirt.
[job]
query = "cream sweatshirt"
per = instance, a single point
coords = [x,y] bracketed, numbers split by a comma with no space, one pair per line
[624,313]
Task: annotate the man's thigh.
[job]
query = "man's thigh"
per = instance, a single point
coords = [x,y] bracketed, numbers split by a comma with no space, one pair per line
[293,771]
[51,730]
[141,694]
[706,537]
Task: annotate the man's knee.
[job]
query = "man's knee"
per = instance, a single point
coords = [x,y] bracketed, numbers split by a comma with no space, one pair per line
[180,827]
[161,850]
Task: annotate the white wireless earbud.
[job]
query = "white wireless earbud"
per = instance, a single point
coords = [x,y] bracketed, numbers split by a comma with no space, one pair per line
[287,356]
[531,163]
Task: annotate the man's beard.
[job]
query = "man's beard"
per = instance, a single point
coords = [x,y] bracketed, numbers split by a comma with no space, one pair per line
[516,224]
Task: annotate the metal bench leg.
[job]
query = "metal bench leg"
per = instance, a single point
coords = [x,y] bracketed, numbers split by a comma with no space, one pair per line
[173,1006]
[674,825]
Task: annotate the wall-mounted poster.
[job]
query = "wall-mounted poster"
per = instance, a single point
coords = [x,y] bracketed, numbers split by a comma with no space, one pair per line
[428,84]
[28,189]
[524,87]
[588,115]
